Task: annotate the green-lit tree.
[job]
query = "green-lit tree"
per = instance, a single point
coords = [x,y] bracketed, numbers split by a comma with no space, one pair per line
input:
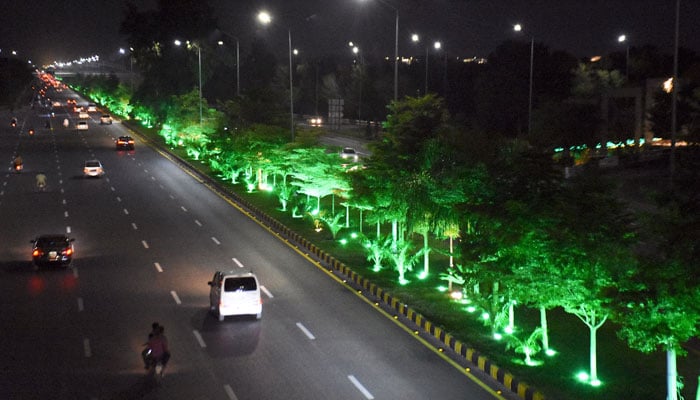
[662,311]
[318,174]
[593,236]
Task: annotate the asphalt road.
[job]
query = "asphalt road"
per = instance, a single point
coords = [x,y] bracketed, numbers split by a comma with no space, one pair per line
[148,237]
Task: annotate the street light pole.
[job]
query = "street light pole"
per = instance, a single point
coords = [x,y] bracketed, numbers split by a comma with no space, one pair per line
[265,18]
[518,28]
[238,61]
[199,64]
[622,39]
[291,86]
[396,58]
[529,106]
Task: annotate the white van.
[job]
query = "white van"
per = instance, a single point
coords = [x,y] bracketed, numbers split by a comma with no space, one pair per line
[235,294]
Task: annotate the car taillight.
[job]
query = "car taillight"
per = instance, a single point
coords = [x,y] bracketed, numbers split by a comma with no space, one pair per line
[36,253]
[68,251]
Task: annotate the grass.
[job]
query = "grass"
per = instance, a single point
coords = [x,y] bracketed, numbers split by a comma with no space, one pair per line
[626,374]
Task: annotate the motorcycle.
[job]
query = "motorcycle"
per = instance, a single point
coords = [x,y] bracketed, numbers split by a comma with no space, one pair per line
[13,123]
[31,131]
[18,167]
[66,123]
[154,366]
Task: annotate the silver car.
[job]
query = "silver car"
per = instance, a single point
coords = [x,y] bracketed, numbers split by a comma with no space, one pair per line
[93,168]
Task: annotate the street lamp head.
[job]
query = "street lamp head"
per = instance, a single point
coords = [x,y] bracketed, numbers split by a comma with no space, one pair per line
[295,52]
[177,42]
[415,37]
[121,50]
[437,45]
[355,49]
[264,17]
[220,42]
[517,27]
[621,38]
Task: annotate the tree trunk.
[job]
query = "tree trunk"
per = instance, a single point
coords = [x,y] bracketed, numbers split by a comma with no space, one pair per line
[671,374]
[543,324]
[426,251]
[511,315]
[494,306]
[394,234]
[594,353]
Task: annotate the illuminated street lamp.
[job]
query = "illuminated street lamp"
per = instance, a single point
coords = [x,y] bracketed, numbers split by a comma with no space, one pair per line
[131,65]
[238,61]
[622,39]
[356,51]
[436,45]
[519,28]
[265,18]
[199,58]
[396,49]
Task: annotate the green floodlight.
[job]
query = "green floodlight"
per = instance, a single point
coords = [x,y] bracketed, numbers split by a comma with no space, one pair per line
[582,376]
[315,211]
[485,316]
[550,352]
[422,275]
[509,330]
[354,235]
[343,241]
[497,336]
[442,289]
[470,309]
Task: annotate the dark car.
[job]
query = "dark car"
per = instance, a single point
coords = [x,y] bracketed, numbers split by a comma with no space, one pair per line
[125,142]
[52,249]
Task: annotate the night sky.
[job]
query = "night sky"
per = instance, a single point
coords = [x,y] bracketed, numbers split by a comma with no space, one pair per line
[47,30]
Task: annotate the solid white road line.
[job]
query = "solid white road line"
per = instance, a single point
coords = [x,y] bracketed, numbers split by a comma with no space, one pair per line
[267,292]
[359,387]
[240,264]
[229,392]
[306,331]
[199,338]
[175,297]
[158,267]
[215,240]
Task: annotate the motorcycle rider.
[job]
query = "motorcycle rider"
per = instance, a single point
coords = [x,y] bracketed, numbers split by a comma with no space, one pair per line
[40,180]
[158,345]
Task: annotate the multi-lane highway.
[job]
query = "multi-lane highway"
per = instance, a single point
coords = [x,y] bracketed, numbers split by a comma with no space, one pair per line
[148,237]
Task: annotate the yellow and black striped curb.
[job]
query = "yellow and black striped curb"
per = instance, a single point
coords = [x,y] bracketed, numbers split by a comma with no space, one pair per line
[522,389]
